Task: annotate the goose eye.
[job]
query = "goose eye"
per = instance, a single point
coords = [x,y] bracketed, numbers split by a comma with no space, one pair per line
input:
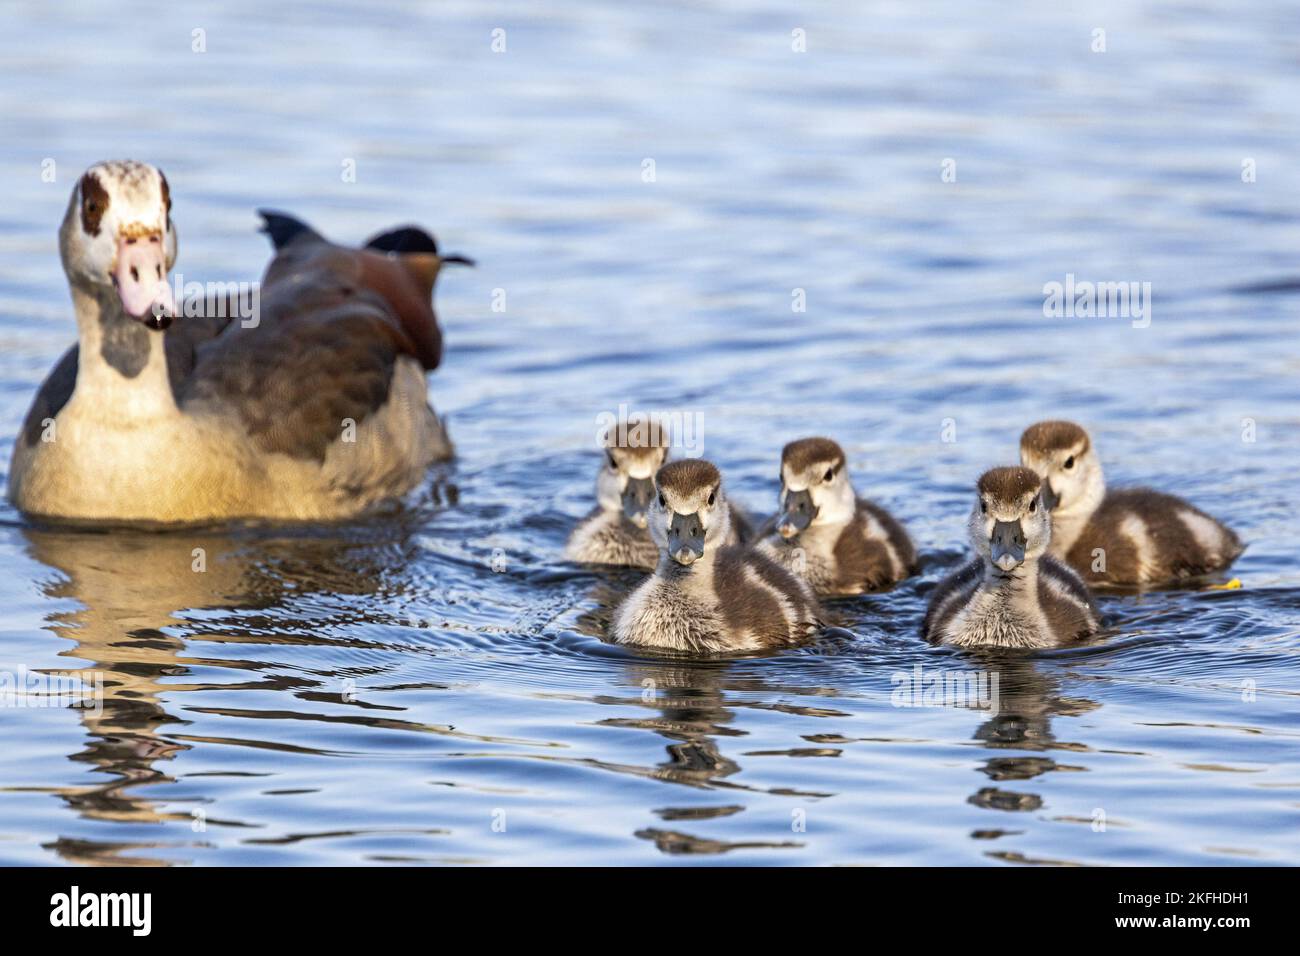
[713,496]
[1069,462]
[830,473]
[612,463]
[984,508]
[662,502]
[1033,506]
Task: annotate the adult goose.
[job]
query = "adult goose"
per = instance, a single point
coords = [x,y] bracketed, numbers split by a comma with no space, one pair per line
[311,405]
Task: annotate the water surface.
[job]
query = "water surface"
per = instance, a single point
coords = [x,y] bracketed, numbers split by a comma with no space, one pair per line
[431,685]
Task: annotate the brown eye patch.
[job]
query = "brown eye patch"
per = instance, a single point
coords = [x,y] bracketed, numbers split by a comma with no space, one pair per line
[94,203]
[166,192]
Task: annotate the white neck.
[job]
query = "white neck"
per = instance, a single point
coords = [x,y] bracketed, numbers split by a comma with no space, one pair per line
[121,364]
[1069,522]
[839,510]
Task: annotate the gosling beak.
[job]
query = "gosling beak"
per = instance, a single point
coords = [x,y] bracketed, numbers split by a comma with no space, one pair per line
[685,539]
[1050,498]
[458,260]
[1007,545]
[796,514]
[140,278]
[636,500]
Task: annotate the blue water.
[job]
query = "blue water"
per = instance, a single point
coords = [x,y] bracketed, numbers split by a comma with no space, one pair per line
[432,686]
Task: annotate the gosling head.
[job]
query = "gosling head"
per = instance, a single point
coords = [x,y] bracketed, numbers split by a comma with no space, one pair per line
[1063,457]
[117,237]
[1009,525]
[632,456]
[689,517]
[815,486]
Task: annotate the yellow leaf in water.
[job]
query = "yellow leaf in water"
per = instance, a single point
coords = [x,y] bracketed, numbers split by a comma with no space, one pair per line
[1232,585]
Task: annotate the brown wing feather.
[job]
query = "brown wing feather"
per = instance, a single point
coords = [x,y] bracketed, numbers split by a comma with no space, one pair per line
[52,396]
[323,350]
[949,596]
[1176,553]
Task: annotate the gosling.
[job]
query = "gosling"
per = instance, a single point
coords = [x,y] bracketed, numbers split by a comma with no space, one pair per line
[1133,536]
[840,544]
[615,531]
[1013,593]
[707,596]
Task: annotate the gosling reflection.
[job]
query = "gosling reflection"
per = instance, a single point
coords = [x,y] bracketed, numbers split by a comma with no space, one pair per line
[695,704]
[132,589]
[692,715]
[1029,699]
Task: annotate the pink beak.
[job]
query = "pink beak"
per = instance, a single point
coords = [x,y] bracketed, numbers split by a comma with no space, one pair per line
[141,280]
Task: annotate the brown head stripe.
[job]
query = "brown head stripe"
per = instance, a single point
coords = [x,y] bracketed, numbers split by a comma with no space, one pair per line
[94,203]
[687,476]
[1008,485]
[807,452]
[636,434]
[1046,437]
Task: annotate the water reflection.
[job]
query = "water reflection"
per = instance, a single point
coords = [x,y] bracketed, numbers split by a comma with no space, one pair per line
[1029,697]
[696,705]
[134,591]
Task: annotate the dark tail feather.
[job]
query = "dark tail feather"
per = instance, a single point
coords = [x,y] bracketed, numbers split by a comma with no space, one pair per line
[282,228]
[405,239]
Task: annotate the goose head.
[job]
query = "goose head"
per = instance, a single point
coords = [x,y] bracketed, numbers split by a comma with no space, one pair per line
[1009,525]
[815,486]
[1062,455]
[117,239]
[689,516]
[633,453]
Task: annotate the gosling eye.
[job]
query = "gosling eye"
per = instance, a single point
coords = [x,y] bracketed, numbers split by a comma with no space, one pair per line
[662,502]
[984,508]
[1069,463]
[830,473]
[612,463]
[1033,506]
[713,496]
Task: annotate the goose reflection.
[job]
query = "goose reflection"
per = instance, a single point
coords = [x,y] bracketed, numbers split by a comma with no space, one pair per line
[137,593]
